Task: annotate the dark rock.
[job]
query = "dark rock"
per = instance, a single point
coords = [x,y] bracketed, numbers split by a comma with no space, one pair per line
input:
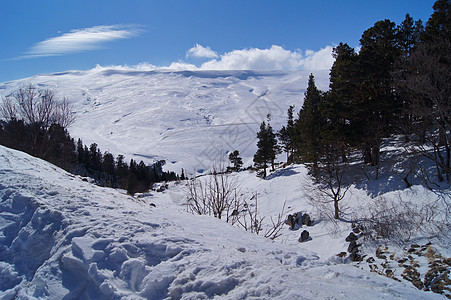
[351,237]
[357,228]
[296,219]
[304,236]
[353,246]
[447,261]
[402,260]
[355,256]
[380,253]
[306,220]
[290,221]
[370,259]
[341,254]
[418,283]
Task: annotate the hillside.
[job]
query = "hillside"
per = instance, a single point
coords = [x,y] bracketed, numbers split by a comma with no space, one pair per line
[63,237]
[189,118]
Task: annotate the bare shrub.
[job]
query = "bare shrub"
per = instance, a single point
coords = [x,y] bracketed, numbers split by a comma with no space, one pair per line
[326,199]
[219,195]
[398,220]
[248,218]
[34,106]
[216,195]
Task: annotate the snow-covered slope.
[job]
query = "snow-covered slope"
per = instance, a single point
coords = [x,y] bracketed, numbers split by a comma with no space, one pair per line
[189,118]
[63,237]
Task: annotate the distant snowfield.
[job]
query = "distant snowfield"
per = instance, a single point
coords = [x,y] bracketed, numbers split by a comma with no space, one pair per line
[62,237]
[189,118]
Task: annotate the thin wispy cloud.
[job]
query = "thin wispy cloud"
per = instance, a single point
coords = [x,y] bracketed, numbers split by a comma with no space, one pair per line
[80,40]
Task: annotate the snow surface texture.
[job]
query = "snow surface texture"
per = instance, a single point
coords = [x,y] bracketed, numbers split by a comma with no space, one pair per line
[63,237]
[189,118]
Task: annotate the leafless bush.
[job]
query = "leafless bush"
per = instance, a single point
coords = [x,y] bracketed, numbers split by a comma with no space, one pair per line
[219,195]
[35,106]
[249,218]
[323,201]
[215,195]
[398,221]
[273,230]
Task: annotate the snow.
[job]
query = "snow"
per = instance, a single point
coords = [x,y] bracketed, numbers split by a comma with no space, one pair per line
[62,236]
[189,118]
[67,238]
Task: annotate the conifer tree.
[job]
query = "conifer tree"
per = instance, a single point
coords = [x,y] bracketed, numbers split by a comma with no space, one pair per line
[428,78]
[308,126]
[376,103]
[286,134]
[267,147]
[236,161]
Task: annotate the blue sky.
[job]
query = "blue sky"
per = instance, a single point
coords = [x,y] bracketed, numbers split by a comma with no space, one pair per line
[54,35]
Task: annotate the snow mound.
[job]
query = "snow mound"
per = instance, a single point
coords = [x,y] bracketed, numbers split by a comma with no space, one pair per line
[62,237]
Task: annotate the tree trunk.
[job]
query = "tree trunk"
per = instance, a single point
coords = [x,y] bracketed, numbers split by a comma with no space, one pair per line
[337,211]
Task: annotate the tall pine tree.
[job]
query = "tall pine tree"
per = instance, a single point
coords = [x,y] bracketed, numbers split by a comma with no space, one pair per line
[376,103]
[267,147]
[286,135]
[307,141]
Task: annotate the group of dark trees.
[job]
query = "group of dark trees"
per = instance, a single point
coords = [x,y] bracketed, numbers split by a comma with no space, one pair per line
[35,123]
[397,84]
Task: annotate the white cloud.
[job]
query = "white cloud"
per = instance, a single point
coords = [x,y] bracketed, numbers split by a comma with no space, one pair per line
[320,60]
[274,58]
[201,52]
[139,67]
[180,66]
[81,40]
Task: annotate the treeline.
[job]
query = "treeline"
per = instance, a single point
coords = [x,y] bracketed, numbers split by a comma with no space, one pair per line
[54,144]
[398,83]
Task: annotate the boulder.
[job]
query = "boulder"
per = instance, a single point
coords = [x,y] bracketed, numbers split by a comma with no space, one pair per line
[296,218]
[304,236]
[351,237]
[306,220]
[290,221]
[353,246]
[355,256]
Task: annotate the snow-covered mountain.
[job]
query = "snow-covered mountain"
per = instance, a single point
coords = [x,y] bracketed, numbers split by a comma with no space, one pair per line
[189,118]
[65,238]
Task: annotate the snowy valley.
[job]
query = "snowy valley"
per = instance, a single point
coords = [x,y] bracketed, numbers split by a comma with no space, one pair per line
[63,237]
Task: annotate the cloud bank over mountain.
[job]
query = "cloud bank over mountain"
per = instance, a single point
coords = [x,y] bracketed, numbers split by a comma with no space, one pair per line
[274,58]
